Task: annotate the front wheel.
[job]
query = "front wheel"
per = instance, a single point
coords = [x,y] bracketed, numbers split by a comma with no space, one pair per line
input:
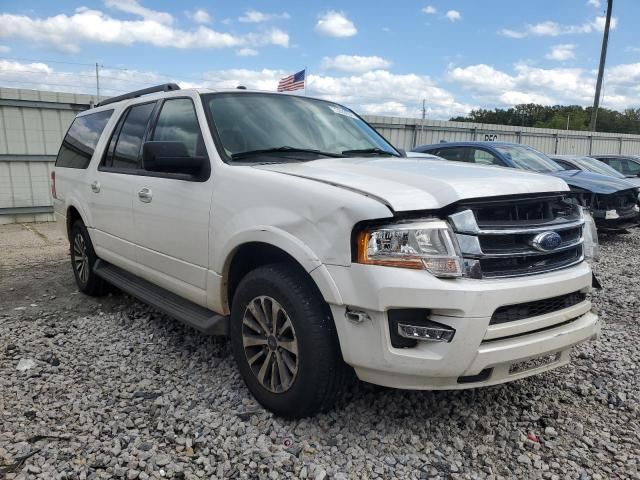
[83,258]
[284,342]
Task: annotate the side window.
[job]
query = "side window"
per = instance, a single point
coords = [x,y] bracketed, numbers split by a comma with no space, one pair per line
[630,167]
[615,163]
[564,165]
[177,122]
[130,136]
[454,154]
[485,158]
[81,139]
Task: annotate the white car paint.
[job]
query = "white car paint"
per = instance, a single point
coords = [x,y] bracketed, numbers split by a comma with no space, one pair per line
[185,239]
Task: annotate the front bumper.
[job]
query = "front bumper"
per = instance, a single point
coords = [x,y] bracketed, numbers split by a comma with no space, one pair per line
[620,223]
[480,353]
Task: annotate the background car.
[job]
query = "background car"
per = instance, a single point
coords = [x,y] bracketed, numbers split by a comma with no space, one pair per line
[612,201]
[590,164]
[628,165]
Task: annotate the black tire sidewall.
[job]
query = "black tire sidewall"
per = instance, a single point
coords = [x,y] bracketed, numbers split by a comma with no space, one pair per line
[313,328]
[94,284]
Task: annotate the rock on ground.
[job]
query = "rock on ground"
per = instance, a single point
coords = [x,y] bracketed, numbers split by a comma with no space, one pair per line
[117,390]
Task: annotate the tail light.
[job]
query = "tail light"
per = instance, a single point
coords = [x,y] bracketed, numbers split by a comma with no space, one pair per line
[53,185]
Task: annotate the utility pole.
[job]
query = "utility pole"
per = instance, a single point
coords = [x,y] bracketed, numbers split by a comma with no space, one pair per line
[603,57]
[97,82]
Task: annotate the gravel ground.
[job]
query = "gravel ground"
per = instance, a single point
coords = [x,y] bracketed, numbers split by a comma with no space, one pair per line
[108,388]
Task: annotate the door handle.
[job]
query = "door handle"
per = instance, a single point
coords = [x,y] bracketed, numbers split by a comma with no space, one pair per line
[95,186]
[145,195]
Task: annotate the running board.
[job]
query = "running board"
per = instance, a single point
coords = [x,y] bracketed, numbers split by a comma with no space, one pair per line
[200,318]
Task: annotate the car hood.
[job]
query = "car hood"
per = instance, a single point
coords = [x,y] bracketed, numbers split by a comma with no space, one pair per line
[594,182]
[406,184]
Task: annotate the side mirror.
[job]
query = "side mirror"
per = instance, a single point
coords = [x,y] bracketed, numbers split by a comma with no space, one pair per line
[170,157]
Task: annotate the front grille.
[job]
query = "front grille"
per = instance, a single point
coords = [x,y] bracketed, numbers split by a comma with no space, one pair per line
[529,265]
[520,311]
[501,238]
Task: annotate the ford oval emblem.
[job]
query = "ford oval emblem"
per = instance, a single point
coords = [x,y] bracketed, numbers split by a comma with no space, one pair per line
[546,241]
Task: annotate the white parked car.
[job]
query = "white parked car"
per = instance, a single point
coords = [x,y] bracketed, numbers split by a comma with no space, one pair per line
[292,226]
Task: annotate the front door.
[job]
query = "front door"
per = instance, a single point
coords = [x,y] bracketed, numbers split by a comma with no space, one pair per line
[171,214]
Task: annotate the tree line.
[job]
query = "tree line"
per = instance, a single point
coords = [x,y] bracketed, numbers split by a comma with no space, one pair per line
[557,116]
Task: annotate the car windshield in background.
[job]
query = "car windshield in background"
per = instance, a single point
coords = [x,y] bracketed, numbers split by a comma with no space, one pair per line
[528,159]
[597,166]
[263,127]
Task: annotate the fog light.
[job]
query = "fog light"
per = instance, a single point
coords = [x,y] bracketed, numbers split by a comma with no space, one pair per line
[432,332]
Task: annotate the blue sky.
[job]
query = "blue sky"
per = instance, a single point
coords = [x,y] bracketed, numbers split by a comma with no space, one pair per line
[377,57]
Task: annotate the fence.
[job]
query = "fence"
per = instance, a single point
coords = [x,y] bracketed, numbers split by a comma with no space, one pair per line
[32,124]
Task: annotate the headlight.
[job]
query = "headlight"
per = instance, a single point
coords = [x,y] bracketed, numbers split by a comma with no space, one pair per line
[590,234]
[426,245]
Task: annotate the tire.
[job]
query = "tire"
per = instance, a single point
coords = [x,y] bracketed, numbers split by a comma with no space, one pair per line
[296,386]
[83,258]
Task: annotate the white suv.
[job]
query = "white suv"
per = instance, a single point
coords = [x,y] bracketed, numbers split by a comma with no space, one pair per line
[291,225]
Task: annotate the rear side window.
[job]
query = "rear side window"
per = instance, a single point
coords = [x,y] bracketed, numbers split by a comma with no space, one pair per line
[126,142]
[457,154]
[80,141]
[177,122]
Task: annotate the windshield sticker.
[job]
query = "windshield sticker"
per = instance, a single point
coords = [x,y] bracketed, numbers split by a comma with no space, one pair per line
[341,111]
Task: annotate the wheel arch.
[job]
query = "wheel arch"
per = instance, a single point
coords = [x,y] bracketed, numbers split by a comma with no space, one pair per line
[269,246]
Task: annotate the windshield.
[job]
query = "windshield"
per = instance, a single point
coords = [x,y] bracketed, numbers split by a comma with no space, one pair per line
[528,158]
[597,166]
[252,125]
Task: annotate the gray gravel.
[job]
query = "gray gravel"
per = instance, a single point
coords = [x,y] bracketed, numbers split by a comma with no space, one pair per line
[108,388]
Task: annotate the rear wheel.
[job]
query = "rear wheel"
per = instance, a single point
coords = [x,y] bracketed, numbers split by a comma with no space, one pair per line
[83,258]
[284,342]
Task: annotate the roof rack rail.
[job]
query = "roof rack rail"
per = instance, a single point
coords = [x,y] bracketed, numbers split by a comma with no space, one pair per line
[165,87]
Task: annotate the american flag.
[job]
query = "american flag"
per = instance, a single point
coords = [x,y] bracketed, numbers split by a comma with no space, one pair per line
[292,82]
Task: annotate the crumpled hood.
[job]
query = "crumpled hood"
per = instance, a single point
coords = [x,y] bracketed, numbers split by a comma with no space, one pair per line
[406,184]
[594,182]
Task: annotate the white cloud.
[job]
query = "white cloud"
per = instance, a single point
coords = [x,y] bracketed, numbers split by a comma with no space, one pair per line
[199,16]
[594,3]
[555,29]
[453,15]
[4,49]
[247,52]
[429,10]
[133,7]
[548,86]
[335,24]
[354,63]
[254,16]
[562,52]
[381,92]
[482,78]
[92,26]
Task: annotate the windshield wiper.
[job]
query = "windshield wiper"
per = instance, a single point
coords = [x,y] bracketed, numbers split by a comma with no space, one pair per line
[283,149]
[375,150]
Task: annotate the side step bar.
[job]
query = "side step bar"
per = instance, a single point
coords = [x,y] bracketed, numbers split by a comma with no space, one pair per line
[200,318]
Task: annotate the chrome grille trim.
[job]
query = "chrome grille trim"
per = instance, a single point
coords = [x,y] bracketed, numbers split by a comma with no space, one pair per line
[523,253]
[486,255]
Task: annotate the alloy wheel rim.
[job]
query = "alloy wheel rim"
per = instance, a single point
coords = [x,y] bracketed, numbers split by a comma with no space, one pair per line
[80,258]
[270,344]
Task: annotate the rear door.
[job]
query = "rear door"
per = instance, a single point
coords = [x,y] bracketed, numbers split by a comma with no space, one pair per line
[171,212]
[113,186]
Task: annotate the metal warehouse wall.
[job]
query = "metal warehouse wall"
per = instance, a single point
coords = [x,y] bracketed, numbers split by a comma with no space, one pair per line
[408,132]
[32,124]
